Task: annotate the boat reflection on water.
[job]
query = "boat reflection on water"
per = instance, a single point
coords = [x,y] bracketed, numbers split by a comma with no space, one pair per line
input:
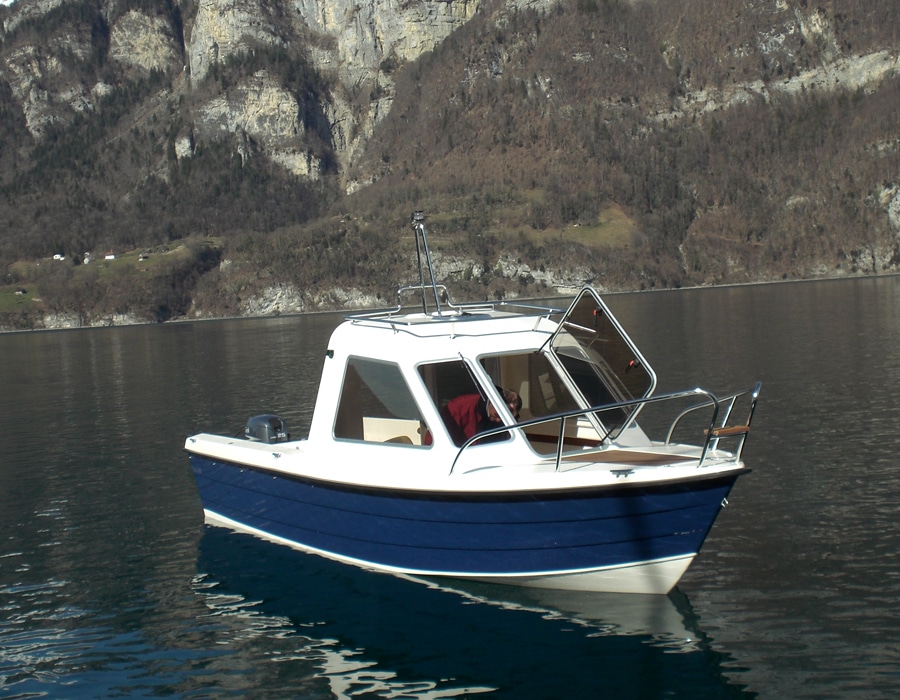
[661,619]
[348,632]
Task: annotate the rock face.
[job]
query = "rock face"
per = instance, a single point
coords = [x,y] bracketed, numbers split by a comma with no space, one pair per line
[141,43]
[890,200]
[365,34]
[42,80]
[852,73]
[353,46]
[225,28]
[367,38]
[258,111]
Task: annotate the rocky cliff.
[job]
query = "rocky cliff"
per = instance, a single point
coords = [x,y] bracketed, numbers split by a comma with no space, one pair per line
[353,47]
[61,58]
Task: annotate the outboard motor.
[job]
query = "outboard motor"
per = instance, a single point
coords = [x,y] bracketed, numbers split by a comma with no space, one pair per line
[267,428]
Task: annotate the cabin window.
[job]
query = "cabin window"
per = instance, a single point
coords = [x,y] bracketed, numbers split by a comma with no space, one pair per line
[534,379]
[543,393]
[377,406]
[461,402]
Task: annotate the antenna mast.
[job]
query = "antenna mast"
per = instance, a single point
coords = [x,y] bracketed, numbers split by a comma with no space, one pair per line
[419,226]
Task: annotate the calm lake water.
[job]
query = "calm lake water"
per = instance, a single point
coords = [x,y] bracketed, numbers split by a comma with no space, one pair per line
[111,586]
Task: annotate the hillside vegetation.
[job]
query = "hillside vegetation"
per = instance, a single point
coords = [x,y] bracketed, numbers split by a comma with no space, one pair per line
[634,145]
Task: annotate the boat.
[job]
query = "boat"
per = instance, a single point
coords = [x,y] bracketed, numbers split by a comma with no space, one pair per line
[492,442]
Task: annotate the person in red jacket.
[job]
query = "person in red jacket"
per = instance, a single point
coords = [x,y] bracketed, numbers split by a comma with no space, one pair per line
[470,414]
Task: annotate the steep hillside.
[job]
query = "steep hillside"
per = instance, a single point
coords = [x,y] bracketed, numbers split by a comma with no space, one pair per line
[636,145]
[730,174]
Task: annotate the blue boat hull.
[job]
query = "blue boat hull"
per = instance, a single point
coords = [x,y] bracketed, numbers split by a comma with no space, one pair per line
[480,535]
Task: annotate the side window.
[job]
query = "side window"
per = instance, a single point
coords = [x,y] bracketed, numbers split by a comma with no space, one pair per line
[446,381]
[376,405]
[462,404]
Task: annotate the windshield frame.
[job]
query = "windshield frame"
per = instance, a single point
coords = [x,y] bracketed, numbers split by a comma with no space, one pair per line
[600,360]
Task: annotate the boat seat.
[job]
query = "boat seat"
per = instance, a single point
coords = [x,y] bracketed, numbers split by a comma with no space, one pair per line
[393,430]
[400,440]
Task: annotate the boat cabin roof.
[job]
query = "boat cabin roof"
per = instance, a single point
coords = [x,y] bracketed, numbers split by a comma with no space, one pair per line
[445,321]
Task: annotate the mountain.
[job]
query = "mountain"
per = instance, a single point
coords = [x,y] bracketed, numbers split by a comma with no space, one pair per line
[263,156]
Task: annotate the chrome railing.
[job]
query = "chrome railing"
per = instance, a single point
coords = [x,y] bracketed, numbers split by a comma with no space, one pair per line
[718,428]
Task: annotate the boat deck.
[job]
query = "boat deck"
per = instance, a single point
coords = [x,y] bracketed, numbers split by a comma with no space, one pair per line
[630,457]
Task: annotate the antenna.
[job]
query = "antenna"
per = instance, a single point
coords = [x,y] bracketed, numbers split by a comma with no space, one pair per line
[419,226]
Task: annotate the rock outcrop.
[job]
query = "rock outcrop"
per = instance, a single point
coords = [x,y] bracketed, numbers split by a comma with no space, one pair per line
[141,44]
[258,115]
[355,47]
[42,79]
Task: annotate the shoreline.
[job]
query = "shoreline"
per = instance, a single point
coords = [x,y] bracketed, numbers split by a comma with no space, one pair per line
[348,310]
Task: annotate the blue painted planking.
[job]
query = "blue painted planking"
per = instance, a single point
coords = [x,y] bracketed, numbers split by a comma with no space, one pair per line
[471,533]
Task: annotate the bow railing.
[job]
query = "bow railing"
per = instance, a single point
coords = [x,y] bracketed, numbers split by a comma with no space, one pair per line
[723,423]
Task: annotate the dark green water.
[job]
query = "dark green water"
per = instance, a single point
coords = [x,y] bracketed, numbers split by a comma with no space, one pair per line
[110,585]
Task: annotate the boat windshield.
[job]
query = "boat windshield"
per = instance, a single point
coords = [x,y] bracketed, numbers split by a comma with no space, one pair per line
[600,359]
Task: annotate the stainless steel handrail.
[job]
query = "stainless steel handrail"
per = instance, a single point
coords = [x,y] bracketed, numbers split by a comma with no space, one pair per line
[466,311]
[713,433]
[716,432]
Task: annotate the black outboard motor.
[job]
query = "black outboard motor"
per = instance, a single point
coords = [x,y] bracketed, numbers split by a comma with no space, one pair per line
[267,428]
